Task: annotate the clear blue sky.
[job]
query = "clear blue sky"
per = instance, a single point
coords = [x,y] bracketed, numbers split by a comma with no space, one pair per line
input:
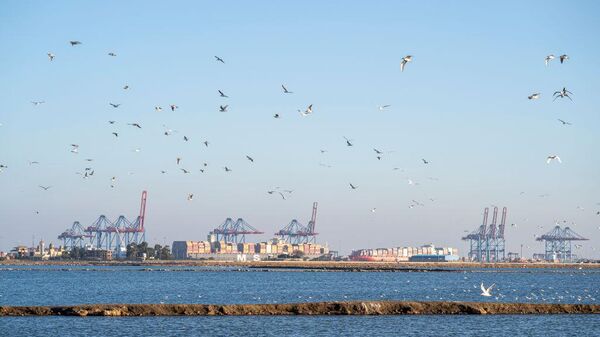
[462,104]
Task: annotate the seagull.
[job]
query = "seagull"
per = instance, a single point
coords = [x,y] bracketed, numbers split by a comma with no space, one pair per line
[138,150]
[223,108]
[50,56]
[135,124]
[405,60]
[276,116]
[33,162]
[562,94]
[173,107]
[383,107]
[353,187]
[551,158]
[116,134]
[178,160]
[227,169]
[563,58]
[219,59]
[425,161]
[486,292]
[282,196]
[190,197]
[564,122]
[112,54]
[534,96]
[158,108]
[112,122]
[377,151]
[74,148]
[125,87]
[185,138]
[184,170]
[36,103]
[45,188]
[373,210]
[222,94]
[206,143]
[250,158]
[348,142]
[74,43]
[114,105]
[548,59]
[306,112]
[285,91]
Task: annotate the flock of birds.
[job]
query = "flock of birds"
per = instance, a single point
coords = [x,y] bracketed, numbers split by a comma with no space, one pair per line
[283,193]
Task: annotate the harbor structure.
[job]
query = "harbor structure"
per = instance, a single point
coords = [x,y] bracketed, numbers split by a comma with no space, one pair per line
[423,253]
[558,244]
[487,243]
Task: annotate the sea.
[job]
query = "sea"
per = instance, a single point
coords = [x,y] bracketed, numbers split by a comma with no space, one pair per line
[69,285]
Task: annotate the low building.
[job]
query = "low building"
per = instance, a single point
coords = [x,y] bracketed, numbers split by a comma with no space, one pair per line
[399,254]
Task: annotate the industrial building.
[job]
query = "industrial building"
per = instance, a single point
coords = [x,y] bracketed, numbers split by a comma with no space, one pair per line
[400,254]
[228,242]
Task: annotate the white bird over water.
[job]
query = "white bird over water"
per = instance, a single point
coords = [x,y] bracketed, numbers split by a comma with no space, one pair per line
[553,157]
[548,59]
[486,292]
[306,112]
[405,60]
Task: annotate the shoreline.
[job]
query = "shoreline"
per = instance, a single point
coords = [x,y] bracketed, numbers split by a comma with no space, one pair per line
[316,308]
[312,265]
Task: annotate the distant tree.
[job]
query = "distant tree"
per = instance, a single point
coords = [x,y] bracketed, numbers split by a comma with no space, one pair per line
[165,253]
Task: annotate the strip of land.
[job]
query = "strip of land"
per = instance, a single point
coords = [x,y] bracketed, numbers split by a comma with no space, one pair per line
[314,265]
[318,308]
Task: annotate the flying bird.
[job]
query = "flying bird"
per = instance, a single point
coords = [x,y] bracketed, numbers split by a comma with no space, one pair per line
[285,91]
[348,142]
[185,138]
[223,108]
[157,108]
[33,162]
[74,43]
[425,161]
[206,143]
[383,107]
[548,59]
[112,122]
[126,87]
[178,160]
[227,169]
[486,291]
[377,151]
[276,116]
[405,60]
[112,54]
[306,112]
[564,122]
[222,94]
[45,188]
[190,197]
[553,157]
[250,158]
[50,56]
[352,186]
[116,134]
[534,96]
[219,59]
[562,94]
[184,170]
[373,210]
[173,107]
[74,148]
[135,124]
[114,105]
[563,58]
[36,103]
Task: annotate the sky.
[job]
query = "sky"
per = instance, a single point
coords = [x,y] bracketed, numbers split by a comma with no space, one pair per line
[461,104]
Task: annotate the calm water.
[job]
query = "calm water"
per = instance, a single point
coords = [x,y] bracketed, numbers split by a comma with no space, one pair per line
[56,285]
